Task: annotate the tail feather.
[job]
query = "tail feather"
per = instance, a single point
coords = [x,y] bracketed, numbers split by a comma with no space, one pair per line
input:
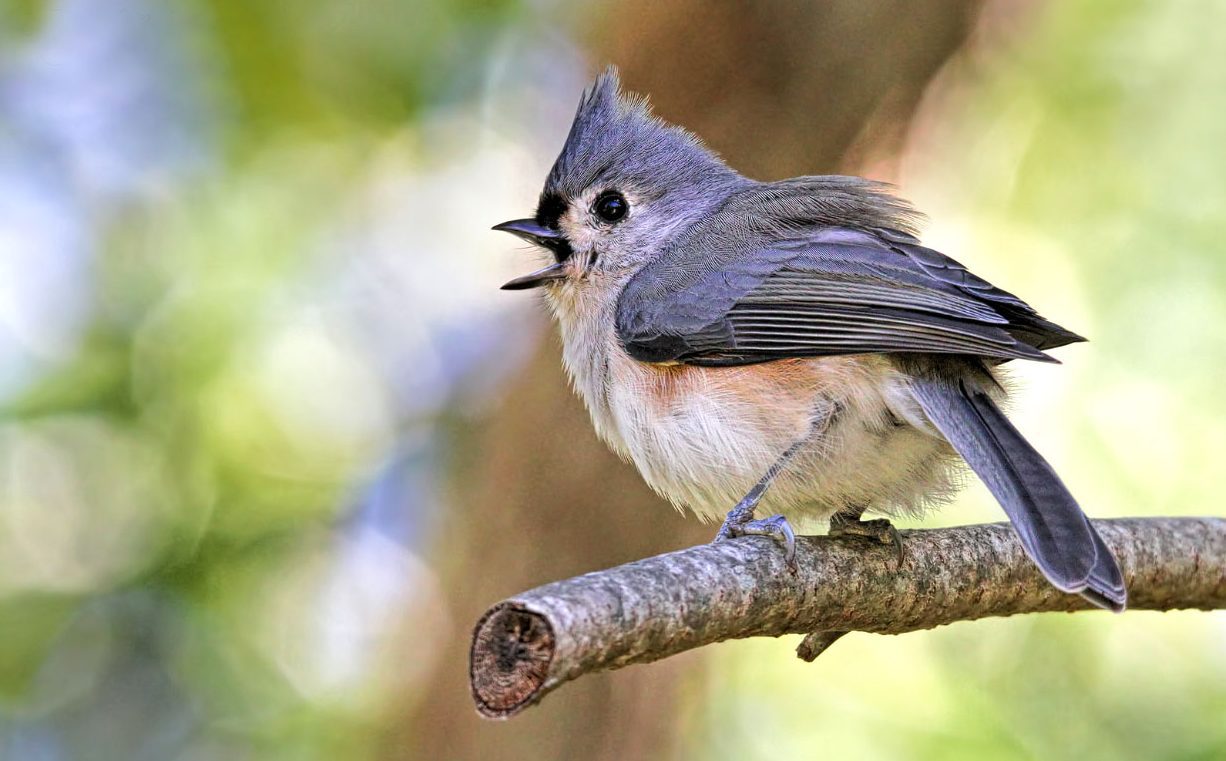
[1106,577]
[1054,531]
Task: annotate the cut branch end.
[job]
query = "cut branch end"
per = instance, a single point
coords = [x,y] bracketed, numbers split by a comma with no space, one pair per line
[509,662]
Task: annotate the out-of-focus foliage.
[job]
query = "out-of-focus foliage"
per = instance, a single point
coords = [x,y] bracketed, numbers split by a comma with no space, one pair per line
[241,246]
[245,281]
[1076,162]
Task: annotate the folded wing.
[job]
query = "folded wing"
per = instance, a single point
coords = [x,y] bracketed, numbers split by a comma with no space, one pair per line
[827,291]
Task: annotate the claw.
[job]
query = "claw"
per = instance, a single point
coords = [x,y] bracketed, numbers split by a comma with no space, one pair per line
[739,523]
[737,517]
[778,528]
[879,530]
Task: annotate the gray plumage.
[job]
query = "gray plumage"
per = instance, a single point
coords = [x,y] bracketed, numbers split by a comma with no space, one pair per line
[1054,531]
[816,289]
[687,300]
[614,137]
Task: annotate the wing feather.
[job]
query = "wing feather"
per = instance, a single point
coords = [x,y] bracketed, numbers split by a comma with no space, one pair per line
[828,291]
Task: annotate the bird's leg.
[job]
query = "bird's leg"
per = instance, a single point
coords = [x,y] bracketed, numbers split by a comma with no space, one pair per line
[847,522]
[740,520]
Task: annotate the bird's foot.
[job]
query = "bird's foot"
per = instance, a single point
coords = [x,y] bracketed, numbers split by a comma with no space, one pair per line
[879,530]
[740,522]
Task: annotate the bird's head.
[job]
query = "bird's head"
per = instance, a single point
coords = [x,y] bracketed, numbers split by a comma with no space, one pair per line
[625,184]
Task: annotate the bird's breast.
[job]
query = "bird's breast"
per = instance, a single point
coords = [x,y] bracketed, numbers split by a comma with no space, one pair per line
[703,436]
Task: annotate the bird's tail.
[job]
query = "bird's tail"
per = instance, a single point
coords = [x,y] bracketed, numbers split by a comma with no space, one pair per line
[1054,531]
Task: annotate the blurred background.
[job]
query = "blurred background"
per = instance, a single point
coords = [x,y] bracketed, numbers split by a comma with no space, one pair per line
[271,438]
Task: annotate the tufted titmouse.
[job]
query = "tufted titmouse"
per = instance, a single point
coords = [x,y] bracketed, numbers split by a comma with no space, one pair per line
[787,344]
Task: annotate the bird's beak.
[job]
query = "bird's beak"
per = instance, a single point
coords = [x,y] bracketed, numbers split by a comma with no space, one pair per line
[536,279]
[539,235]
[530,231]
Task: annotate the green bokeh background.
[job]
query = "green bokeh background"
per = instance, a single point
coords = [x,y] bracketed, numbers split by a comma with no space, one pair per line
[190,566]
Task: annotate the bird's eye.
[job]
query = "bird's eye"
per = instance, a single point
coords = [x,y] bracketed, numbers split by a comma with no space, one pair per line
[610,206]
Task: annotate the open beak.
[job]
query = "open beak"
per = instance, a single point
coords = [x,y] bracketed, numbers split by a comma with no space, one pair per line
[536,279]
[539,235]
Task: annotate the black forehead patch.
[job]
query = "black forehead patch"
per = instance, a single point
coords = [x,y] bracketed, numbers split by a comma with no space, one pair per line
[550,209]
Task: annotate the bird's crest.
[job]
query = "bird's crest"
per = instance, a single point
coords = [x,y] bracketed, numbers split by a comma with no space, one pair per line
[616,138]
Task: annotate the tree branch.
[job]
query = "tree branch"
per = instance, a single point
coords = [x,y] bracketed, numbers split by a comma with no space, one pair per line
[526,646]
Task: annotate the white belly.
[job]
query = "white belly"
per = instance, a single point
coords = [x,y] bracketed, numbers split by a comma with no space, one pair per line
[702,437]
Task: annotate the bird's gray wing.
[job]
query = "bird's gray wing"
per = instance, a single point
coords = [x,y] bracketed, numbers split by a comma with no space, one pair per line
[828,291]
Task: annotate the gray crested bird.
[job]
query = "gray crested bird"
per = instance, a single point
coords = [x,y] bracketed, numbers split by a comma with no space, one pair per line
[787,345]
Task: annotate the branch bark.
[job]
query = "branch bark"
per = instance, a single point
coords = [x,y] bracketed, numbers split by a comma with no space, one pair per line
[527,646]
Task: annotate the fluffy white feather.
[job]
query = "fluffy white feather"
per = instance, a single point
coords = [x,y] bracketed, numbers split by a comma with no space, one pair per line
[702,437]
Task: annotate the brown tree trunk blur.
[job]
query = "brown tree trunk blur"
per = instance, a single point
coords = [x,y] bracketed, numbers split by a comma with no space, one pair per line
[779,89]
